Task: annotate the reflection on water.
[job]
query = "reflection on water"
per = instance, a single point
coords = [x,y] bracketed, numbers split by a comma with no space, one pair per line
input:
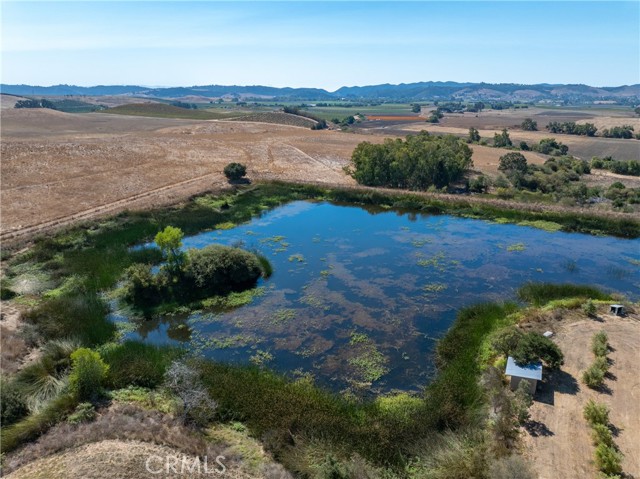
[358,297]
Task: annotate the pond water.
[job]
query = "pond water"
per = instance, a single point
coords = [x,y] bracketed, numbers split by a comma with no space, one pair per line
[359,296]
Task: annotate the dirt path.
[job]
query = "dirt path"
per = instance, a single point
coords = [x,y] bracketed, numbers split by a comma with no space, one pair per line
[560,445]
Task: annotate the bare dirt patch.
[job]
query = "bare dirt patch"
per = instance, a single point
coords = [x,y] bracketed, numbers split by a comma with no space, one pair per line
[559,441]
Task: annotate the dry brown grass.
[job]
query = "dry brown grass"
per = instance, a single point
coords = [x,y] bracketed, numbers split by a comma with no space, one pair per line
[118,443]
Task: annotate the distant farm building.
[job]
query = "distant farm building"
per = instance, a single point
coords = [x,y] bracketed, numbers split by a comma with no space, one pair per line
[530,372]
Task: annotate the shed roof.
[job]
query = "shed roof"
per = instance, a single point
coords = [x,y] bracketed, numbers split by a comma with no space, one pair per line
[530,371]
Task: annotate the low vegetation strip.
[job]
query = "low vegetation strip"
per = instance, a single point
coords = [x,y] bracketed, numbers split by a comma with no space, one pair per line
[279,118]
[162,110]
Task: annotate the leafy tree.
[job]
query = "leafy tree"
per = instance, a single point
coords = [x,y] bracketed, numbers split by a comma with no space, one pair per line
[506,340]
[529,125]
[524,146]
[480,184]
[502,140]
[534,347]
[513,162]
[169,241]
[88,371]
[416,163]
[474,135]
[416,108]
[235,171]
[624,131]
[549,146]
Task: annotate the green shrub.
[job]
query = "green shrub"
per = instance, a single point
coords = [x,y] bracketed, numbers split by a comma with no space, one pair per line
[12,404]
[608,459]
[601,363]
[534,347]
[601,434]
[133,363]
[88,372]
[593,377]
[235,171]
[506,340]
[217,269]
[85,412]
[596,413]
[589,308]
[600,344]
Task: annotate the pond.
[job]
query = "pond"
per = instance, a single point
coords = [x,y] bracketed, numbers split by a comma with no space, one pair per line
[359,296]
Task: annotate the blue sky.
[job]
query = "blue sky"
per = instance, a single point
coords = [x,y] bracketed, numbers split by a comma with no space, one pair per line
[319,44]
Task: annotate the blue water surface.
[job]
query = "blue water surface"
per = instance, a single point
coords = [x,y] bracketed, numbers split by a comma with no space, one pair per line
[358,297]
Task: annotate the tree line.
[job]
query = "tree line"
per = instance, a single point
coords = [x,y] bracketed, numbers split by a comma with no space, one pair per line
[417,163]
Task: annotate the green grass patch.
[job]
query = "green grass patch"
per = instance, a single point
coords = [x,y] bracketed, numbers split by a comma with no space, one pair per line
[133,363]
[540,294]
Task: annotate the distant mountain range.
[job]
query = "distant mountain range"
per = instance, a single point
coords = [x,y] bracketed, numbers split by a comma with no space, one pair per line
[628,94]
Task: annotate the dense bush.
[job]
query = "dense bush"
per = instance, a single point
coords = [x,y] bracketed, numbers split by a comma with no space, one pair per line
[624,131]
[620,167]
[593,377]
[571,128]
[534,347]
[596,413]
[502,140]
[529,125]
[609,460]
[88,372]
[418,162]
[513,162]
[133,363]
[600,344]
[235,171]
[197,274]
[217,269]
[12,404]
[589,308]
[549,146]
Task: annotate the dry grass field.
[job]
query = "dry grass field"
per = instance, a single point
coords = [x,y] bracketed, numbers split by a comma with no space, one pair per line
[64,167]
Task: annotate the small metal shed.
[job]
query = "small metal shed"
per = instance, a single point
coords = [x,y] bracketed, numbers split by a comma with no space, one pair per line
[616,309]
[531,372]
